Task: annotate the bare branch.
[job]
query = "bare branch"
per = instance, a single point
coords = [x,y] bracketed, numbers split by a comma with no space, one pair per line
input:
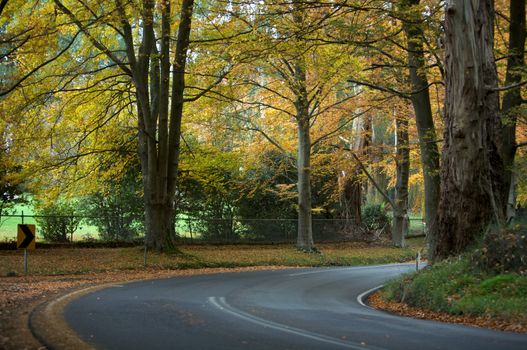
[363,168]
[209,88]
[510,87]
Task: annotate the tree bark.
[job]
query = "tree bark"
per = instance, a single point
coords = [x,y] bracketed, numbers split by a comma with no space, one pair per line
[472,168]
[160,126]
[299,87]
[512,99]
[350,195]
[420,98]
[400,210]
[350,185]
[305,229]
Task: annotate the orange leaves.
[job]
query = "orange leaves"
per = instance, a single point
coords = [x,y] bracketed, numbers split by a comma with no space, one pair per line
[377,301]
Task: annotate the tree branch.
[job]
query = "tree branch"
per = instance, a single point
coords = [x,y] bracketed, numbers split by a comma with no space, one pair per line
[2,5]
[510,87]
[363,168]
[45,63]
[94,41]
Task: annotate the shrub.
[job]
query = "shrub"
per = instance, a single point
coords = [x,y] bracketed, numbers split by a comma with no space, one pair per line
[117,209]
[57,222]
[503,251]
[374,217]
[453,286]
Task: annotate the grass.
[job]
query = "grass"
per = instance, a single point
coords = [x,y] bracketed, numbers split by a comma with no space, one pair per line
[8,225]
[455,287]
[77,261]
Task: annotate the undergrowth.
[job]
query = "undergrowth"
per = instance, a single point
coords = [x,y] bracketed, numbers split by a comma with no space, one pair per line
[477,283]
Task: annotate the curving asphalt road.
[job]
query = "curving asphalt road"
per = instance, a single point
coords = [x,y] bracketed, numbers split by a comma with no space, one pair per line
[286,309]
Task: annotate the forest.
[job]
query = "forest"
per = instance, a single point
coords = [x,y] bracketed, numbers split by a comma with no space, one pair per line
[246,118]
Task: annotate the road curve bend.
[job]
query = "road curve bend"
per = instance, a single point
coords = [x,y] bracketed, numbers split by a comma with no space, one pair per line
[280,309]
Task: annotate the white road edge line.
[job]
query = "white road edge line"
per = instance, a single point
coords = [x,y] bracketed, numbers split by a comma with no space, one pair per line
[221,304]
[360,297]
[347,268]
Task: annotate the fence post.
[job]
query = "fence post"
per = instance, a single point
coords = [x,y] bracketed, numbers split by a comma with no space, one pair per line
[417,260]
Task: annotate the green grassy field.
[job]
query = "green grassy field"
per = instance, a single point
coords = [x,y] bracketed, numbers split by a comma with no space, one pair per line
[8,225]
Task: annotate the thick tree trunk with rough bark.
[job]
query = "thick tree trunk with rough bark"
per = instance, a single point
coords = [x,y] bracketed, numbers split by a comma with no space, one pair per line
[472,169]
[159,125]
[420,98]
[160,121]
[512,98]
[400,211]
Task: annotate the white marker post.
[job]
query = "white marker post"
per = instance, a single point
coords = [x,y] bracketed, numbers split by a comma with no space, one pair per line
[417,260]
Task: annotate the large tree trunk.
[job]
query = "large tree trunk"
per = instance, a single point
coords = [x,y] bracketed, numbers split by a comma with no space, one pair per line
[305,224]
[350,197]
[350,185]
[423,115]
[472,169]
[512,98]
[161,220]
[159,126]
[305,229]
[400,211]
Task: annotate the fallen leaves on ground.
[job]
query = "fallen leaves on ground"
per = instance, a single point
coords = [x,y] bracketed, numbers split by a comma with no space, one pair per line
[56,271]
[67,261]
[375,300]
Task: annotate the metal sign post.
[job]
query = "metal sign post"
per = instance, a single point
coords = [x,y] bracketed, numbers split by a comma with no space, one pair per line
[26,240]
[25,261]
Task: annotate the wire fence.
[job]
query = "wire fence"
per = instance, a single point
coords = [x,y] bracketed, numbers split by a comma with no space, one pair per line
[196,230]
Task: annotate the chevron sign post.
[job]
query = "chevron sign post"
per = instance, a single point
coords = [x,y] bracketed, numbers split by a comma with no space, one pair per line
[26,240]
[26,237]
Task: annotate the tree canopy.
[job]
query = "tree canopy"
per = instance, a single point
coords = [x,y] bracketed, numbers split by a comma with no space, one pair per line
[262,109]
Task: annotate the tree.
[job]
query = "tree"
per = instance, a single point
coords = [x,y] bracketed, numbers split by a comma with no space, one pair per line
[472,169]
[58,221]
[402,161]
[512,98]
[407,31]
[420,97]
[300,84]
[159,114]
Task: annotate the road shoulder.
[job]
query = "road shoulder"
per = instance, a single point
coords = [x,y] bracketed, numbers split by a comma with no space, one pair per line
[376,301]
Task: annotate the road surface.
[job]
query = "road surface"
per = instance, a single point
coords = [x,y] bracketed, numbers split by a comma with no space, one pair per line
[285,309]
